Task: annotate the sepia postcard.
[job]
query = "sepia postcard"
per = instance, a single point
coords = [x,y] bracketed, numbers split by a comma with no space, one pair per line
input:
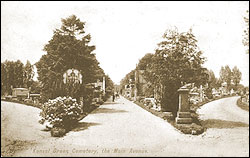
[124,79]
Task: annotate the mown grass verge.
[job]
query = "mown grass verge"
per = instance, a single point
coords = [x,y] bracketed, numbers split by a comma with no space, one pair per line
[57,131]
[242,105]
[195,128]
[23,102]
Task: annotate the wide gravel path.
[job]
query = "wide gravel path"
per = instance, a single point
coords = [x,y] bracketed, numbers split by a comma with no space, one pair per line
[125,129]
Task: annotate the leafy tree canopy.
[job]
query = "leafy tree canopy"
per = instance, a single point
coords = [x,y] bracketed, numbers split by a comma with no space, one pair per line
[69,48]
[176,61]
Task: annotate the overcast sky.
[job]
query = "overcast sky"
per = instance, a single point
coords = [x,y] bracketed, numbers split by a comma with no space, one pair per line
[123,32]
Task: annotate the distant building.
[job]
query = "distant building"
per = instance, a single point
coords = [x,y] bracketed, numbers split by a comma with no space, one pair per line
[24,93]
[20,93]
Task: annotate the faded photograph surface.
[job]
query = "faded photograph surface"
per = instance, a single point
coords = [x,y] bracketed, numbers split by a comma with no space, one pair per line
[124,78]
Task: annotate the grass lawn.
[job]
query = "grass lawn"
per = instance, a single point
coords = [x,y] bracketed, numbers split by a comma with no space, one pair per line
[243,105]
[195,128]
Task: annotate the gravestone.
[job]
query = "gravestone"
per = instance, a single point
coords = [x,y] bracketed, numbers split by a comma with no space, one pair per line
[183,114]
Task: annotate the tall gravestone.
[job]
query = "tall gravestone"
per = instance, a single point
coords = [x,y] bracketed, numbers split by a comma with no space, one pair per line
[183,114]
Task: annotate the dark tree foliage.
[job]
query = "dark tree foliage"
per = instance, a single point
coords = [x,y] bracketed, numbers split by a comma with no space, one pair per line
[144,62]
[4,81]
[213,82]
[245,40]
[128,79]
[226,76]
[28,74]
[69,48]
[176,61]
[12,75]
[236,76]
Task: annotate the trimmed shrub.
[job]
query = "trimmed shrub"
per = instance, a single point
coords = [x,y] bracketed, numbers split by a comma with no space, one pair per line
[61,113]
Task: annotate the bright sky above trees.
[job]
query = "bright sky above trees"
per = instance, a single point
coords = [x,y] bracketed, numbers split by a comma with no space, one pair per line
[123,32]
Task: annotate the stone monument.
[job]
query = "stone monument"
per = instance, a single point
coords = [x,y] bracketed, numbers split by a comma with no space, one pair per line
[183,114]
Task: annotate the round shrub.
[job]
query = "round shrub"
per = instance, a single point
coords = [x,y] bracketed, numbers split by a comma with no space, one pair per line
[62,112]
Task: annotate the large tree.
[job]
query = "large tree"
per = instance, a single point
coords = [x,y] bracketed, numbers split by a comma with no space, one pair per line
[68,48]
[18,71]
[128,79]
[226,75]
[176,61]
[144,61]
[143,65]
[28,74]
[7,77]
[213,82]
[3,79]
[236,76]
[12,75]
[245,40]
[109,85]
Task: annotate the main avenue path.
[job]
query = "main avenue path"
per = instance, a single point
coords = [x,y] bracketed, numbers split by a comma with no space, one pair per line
[122,128]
